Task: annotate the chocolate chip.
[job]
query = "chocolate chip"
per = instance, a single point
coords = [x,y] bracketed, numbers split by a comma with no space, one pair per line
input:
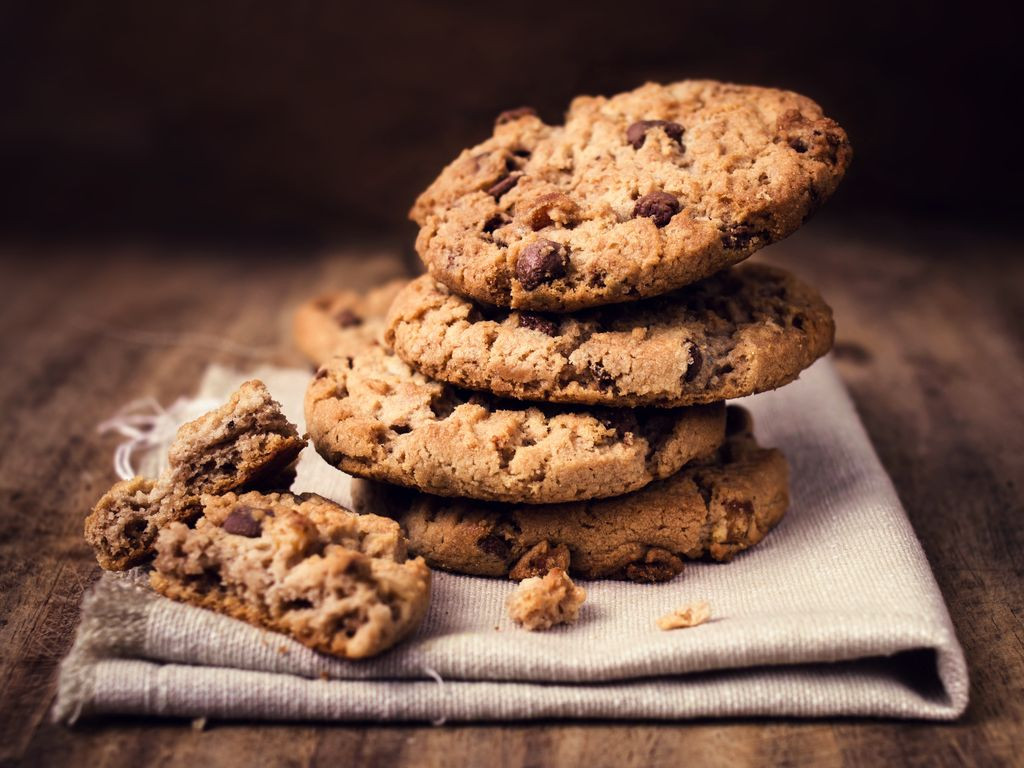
[346,318]
[636,134]
[321,374]
[514,114]
[537,322]
[494,545]
[241,522]
[541,262]
[694,367]
[660,206]
[501,186]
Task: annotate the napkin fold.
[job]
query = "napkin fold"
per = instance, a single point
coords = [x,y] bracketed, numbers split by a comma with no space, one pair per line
[836,612]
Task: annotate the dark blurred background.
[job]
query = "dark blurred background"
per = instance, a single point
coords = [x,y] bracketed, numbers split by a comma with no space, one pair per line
[320,120]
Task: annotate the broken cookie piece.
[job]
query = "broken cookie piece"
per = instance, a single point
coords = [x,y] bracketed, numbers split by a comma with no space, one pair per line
[336,581]
[247,441]
[689,615]
[542,602]
[245,444]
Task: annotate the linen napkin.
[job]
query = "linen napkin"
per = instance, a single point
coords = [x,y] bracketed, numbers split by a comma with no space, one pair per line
[836,612]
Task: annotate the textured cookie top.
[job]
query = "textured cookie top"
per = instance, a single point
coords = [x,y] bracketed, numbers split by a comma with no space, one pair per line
[717,509]
[742,331]
[336,581]
[342,322]
[635,195]
[372,416]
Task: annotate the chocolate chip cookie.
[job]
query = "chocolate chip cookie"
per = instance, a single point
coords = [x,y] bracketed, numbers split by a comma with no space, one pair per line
[246,443]
[336,581]
[742,331]
[635,195]
[371,416]
[714,509]
[343,322]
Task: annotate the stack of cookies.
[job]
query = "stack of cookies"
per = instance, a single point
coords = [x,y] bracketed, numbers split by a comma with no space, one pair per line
[552,393]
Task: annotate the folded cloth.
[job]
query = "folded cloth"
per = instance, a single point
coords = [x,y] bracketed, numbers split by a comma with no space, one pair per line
[835,613]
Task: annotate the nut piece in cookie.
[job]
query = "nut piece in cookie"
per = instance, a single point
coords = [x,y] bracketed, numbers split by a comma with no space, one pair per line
[541,558]
[245,444]
[689,615]
[542,602]
[337,582]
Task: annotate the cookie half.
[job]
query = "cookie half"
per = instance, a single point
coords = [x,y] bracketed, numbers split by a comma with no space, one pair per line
[335,581]
[716,509]
[247,443]
[635,195]
[372,416]
[742,331]
[342,322]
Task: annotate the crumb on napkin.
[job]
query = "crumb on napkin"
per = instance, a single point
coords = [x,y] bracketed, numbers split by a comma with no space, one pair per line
[541,602]
[689,615]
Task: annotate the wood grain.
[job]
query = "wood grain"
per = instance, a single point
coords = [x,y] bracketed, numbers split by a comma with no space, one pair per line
[929,343]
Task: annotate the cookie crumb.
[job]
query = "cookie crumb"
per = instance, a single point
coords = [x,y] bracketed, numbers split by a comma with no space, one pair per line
[541,602]
[690,615]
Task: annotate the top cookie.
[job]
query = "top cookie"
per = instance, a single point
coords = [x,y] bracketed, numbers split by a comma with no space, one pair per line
[634,196]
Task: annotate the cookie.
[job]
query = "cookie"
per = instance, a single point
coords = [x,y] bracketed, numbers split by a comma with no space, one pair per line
[373,417]
[742,331]
[635,195]
[246,443]
[336,581]
[343,322]
[716,510]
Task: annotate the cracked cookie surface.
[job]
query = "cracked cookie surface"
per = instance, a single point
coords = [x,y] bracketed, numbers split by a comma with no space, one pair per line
[338,582]
[372,416]
[714,509]
[742,331]
[342,322]
[246,443]
[635,195]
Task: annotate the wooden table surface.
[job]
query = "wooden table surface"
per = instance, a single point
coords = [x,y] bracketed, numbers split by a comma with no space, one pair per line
[929,342]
